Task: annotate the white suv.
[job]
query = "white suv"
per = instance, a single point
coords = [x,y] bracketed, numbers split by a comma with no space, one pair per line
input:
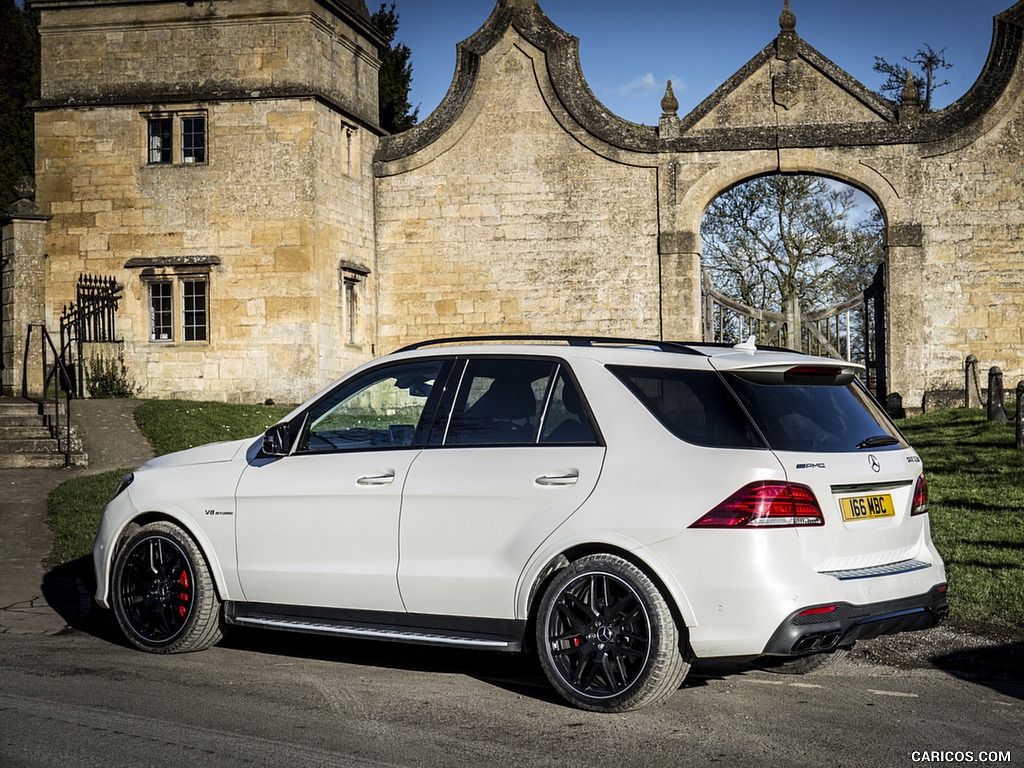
[621,506]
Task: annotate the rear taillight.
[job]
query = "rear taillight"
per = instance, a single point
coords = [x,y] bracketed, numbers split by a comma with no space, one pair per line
[765,505]
[920,506]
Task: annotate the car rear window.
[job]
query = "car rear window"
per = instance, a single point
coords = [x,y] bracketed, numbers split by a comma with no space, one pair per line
[695,406]
[821,415]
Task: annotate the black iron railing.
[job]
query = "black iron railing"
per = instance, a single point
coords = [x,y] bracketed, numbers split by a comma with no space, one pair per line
[56,379]
[90,318]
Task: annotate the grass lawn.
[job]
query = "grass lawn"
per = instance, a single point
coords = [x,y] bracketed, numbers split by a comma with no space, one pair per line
[976,508]
[974,479]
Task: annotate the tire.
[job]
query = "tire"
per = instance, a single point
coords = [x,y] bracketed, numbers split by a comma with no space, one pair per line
[606,638]
[800,665]
[163,595]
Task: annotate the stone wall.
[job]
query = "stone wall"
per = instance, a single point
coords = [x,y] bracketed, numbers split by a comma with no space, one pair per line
[515,226]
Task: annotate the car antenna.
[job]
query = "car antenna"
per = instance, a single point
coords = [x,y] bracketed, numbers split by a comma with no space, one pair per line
[749,345]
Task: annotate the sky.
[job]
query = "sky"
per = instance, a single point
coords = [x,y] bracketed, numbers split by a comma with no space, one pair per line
[628,50]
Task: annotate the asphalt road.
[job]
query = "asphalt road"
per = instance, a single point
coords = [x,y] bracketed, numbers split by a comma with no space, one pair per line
[81,698]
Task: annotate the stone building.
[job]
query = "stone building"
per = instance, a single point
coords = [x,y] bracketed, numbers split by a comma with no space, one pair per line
[216,159]
[311,241]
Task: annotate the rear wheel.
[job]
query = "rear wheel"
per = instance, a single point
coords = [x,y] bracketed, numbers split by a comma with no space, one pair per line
[163,594]
[800,665]
[606,637]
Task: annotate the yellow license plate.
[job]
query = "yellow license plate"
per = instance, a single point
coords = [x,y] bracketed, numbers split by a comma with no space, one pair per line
[867,507]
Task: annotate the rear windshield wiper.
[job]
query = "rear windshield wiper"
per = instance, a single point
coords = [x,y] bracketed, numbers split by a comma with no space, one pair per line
[878,441]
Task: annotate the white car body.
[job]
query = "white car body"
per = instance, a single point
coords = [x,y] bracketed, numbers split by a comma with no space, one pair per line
[455,544]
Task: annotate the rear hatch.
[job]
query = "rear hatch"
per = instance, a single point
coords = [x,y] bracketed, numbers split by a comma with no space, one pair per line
[830,435]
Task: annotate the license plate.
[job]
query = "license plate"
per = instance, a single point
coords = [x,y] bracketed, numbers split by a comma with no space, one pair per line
[867,507]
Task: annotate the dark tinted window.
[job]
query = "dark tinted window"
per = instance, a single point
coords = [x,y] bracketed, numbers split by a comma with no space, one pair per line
[566,421]
[820,417]
[695,406]
[500,401]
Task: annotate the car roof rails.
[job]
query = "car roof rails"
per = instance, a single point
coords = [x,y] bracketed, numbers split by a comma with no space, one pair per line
[677,347]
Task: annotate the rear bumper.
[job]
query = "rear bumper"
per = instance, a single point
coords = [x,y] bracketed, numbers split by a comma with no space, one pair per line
[804,632]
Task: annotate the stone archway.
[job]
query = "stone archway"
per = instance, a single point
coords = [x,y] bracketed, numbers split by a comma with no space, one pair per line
[840,314]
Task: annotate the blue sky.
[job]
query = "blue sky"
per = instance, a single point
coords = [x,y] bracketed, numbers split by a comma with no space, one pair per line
[629,49]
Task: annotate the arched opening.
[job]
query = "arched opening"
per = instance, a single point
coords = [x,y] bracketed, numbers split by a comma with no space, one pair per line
[797,260]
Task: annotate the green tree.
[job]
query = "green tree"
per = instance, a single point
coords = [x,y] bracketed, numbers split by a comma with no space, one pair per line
[395,78]
[19,84]
[928,62]
[777,237]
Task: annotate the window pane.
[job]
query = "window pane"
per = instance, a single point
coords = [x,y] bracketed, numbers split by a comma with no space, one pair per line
[160,140]
[193,140]
[695,406]
[566,420]
[824,418]
[193,303]
[499,402]
[350,310]
[161,312]
[386,408]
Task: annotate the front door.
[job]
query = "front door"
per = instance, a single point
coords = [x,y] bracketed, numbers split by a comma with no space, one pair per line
[319,527]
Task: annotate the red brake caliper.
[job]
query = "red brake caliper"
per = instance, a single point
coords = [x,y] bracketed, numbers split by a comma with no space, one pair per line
[183,580]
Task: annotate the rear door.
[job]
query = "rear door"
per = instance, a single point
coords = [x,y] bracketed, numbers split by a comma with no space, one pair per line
[519,455]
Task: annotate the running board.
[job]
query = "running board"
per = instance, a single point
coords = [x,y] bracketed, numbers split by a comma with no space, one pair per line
[481,634]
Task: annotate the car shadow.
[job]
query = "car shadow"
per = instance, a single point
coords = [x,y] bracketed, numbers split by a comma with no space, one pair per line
[518,673]
[68,589]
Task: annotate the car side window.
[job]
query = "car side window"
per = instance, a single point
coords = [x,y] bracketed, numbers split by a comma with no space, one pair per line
[695,406]
[389,407]
[500,401]
[566,421]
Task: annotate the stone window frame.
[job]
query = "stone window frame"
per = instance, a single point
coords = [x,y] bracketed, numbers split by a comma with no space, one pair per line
[172,147]
[178,272]
[352,278]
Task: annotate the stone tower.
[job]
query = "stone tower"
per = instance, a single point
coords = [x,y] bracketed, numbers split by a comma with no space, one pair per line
[215,158]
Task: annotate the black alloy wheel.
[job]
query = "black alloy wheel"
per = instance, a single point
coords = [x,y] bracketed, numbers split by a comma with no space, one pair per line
[607,639]
[163,595]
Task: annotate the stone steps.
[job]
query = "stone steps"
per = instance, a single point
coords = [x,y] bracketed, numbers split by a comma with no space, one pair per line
[27,442]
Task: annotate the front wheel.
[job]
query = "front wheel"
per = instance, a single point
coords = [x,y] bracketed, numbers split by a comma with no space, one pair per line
[163,594]
[606,637]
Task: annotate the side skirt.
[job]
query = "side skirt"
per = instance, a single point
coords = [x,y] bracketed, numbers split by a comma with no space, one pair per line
[451,631]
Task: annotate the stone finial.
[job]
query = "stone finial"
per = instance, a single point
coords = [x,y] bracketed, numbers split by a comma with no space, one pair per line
[669,124]
[910,101]
[787,41]
[669,102]
[25,189]
[911,95]
[787,21]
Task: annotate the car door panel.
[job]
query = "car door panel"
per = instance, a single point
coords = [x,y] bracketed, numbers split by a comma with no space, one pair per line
[322,529]
[472,517]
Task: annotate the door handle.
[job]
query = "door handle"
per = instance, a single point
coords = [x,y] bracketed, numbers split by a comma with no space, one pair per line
[384,478]
[564,477]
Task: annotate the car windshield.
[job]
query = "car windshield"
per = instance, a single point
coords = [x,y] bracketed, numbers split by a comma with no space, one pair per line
[822,416]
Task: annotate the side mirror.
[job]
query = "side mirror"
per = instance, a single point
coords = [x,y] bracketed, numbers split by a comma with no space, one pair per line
[277,441]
